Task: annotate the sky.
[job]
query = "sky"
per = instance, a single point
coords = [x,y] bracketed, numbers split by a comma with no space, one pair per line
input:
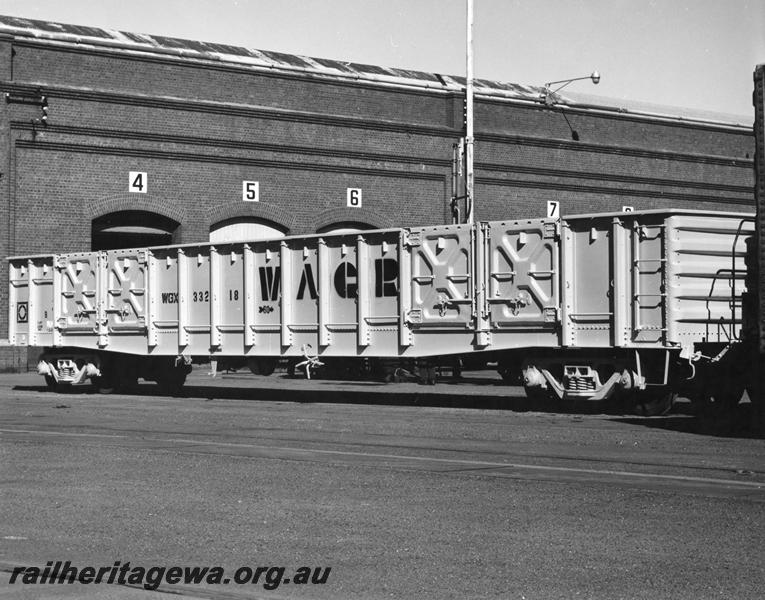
[696,54]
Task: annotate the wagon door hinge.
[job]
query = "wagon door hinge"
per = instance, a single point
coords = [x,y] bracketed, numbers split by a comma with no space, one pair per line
[551,314]
[414,316]
[412,238]
[551,230]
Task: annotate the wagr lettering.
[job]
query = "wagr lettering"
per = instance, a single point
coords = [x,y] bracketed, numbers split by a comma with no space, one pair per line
[345,283]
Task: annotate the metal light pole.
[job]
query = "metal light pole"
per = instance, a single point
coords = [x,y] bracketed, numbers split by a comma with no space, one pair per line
[469,118]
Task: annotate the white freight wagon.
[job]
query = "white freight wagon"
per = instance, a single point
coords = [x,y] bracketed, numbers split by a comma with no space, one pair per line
[582,307]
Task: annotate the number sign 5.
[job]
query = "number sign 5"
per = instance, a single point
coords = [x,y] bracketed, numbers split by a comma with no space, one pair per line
[250,191]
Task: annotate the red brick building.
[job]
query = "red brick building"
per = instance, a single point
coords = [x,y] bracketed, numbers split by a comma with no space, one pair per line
[156,140]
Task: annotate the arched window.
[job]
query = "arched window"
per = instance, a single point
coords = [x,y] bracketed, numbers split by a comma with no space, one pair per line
[345,227]
[244,229]
[131,229]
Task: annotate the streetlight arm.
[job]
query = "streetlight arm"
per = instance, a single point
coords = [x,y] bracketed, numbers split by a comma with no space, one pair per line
[594,76]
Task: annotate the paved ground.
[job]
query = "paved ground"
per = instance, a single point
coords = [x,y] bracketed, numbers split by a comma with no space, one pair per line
[404,491]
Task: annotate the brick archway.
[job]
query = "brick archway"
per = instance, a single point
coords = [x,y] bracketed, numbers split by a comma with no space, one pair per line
[133,202]
[251,210]
[363,216]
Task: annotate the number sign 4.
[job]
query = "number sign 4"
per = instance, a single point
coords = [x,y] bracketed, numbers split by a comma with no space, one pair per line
[138,182]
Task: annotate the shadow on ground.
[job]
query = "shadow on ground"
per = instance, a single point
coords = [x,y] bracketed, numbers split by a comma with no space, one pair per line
[467,393]
[340,392]
[743,422]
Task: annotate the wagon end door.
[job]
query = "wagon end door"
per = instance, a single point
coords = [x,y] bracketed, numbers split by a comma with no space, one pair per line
[522,274]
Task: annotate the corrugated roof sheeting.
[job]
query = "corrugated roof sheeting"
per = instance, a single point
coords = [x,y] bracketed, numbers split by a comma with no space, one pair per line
[180,44]
[410,74]
[243,56]
[51,27]
[136,37]
[370,69]
[291,60]
[334,64]
[145,42]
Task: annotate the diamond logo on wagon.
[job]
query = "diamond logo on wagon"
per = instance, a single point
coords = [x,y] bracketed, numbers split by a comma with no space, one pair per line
[22,312]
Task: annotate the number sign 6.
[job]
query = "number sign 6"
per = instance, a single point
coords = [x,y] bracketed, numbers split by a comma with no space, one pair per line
[354,198]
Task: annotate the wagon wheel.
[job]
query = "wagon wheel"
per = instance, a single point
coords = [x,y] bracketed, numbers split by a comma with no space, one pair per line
[509,375]
[655,403]
[171,381]
[720,398]
[262,365]
[115,380]
[754,392]
[104,384]
[539,398]
[51,383]
[126,382]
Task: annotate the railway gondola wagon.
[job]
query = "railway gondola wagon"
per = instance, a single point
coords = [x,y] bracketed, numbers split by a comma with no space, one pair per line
[633,305]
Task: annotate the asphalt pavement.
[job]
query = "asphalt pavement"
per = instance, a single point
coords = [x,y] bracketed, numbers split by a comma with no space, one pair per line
[401,490]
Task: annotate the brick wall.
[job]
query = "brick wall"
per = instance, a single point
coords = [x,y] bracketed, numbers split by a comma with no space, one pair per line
[199,130]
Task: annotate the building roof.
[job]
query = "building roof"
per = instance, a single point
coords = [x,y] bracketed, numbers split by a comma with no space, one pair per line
[139,42]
